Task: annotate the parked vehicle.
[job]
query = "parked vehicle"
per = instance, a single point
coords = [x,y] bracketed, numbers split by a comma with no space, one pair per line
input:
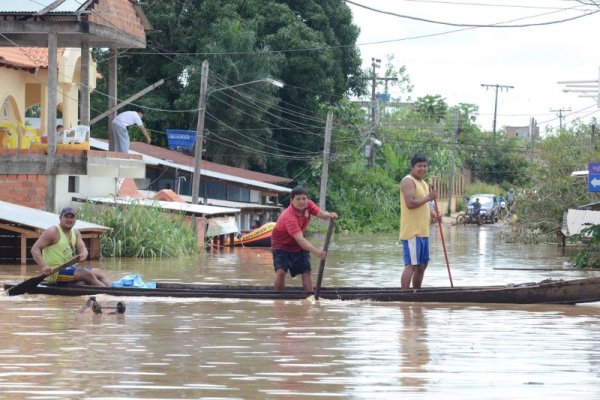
[490,209]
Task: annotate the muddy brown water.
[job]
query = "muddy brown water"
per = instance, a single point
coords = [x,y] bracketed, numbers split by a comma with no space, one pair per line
[257,349]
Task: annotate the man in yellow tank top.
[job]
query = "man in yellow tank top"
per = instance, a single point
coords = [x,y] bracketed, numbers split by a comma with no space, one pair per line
[415,219]
[59,243]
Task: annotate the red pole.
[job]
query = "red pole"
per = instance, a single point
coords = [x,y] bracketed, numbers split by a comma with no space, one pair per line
[439,220]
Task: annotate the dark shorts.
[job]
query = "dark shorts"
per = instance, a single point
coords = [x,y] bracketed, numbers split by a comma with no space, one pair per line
[295,262]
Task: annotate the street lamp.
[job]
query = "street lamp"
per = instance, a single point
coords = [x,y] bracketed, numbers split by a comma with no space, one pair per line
[201,115]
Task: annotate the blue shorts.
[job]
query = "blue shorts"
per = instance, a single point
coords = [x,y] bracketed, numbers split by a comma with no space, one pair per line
[66,276]
[416,251]
[296,262]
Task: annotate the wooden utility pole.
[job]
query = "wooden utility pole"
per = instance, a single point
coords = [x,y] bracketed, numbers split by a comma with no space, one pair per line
[452,162]
[497,86]
[326,157]
[200,132]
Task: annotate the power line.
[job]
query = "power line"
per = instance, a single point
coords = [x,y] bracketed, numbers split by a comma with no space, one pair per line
[496,25]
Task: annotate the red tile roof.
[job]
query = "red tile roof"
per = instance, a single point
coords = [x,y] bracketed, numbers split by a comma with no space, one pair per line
[184,159]
[24,57]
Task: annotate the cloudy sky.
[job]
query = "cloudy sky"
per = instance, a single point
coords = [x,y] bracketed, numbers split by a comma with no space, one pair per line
[453,61]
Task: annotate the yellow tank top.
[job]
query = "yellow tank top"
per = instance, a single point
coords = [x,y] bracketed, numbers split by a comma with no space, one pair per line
[415,221]
[60,252]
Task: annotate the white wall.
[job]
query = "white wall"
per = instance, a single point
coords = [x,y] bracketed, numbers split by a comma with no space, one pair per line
[87,186]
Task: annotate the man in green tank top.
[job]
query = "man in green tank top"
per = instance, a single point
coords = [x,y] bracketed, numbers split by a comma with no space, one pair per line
[60,243]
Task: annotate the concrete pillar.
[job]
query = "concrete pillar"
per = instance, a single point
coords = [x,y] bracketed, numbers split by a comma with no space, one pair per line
[84,101]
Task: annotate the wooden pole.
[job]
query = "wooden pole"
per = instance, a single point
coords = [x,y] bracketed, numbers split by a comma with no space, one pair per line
[452,164]
[326,157]
[200,132]
[322,264]
[439,220]
[127,101]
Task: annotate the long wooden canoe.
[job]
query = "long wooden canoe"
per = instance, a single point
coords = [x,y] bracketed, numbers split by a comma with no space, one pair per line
[547,291]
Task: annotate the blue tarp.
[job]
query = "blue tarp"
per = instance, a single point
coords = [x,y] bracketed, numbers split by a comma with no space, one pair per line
[134,281]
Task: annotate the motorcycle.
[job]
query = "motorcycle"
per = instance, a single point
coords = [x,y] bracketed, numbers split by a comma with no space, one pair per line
[468,218]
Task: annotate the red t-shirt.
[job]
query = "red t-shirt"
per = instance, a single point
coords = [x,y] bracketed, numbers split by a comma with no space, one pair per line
[289,224]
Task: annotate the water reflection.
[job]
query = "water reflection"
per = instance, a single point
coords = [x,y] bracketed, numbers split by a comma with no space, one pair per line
[414,348]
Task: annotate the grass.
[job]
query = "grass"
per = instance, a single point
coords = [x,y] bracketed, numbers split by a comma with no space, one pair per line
[141,231]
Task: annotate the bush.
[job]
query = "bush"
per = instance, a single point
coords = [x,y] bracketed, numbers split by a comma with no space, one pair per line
[140,231]
[590,256]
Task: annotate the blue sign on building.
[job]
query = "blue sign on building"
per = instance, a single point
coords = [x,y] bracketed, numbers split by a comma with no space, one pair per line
[594,177]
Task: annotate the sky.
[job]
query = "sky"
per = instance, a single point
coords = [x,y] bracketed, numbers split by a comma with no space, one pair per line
[455,65]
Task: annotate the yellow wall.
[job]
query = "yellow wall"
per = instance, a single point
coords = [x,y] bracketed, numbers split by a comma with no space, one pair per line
[12,86]
[27,89]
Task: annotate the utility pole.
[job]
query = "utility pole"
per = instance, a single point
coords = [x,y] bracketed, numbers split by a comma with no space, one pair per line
[200,131]
[560,116]
[326,157]
[497,86]
[452,157]
[375,63]
[594,137]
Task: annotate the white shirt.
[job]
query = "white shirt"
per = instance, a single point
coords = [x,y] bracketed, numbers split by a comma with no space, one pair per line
[128,118]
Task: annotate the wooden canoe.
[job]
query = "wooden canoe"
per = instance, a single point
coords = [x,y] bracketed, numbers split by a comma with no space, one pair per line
[547,292]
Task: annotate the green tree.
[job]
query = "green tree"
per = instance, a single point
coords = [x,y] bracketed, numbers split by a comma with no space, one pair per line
[552,190]
[309,45]
[432,107]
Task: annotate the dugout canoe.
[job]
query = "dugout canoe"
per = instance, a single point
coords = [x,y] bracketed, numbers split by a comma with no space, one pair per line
[259,237]
[545,292]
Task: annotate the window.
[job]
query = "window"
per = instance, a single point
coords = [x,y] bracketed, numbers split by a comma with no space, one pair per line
[73,184]
[237,193]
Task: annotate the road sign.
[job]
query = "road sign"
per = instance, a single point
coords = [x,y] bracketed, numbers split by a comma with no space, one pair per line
[594,177]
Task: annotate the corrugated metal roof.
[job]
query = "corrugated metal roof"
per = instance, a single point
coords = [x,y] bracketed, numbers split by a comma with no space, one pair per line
[185,159]
[100,144]
[38,219]
[33,6]
[168,205]
[149,194]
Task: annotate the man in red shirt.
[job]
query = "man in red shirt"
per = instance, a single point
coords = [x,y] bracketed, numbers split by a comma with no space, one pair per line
[291,250]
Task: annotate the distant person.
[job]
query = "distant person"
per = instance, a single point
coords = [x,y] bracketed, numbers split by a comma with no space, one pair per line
[291,250]
[120,124]
[415,218]
[510,198]
[57,245]
[60,133]
[255,224]
[477,211]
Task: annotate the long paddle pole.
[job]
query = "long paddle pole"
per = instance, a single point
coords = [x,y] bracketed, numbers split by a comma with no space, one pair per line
[32,283]
[322,265]
[439,220]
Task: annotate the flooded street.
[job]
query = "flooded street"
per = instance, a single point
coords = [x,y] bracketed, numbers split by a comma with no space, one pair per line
[306,349]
